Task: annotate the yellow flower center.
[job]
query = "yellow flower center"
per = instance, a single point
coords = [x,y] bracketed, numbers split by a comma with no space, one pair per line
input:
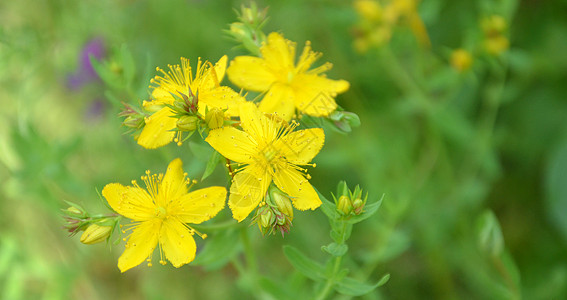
[161,212]
[289,76]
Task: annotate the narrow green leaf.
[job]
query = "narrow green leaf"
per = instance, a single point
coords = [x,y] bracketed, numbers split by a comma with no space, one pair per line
[335,249]
[328,208]
[211,164]
[353,287]
[369,210]
[128,64]
[303,264]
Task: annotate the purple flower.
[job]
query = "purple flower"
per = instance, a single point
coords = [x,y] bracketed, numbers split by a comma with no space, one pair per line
[85,72]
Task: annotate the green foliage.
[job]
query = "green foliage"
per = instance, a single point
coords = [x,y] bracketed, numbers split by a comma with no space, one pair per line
[473,162]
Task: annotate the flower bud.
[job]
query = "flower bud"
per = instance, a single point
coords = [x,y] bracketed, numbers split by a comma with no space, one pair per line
[344,205]
[214,118]
[95,234]
[74,211]
[358,206]
[187,123]
[283,204]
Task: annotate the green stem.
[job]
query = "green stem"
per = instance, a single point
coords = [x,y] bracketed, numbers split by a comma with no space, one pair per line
[331,281]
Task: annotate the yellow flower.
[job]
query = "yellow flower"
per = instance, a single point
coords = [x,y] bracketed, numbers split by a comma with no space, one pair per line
[267,150]
[159,214]
[158,130]
[287,85]
[461,60]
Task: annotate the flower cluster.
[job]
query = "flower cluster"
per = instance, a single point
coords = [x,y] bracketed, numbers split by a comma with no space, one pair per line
[379,18]
[266,154]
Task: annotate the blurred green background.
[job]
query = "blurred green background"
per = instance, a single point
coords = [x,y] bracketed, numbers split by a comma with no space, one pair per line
[455,153]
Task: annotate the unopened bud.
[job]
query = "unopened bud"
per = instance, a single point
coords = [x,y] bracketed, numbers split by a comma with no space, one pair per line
[74,211]
[266,219]
[187,123]
[95,234]
[344,205]
[238,30]
[214,118]
[283,204]
[358,206]
[134,121]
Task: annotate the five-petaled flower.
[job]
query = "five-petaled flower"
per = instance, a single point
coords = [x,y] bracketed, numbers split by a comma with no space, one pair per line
[267,150]
[287,85]
[159,214]
[205,86]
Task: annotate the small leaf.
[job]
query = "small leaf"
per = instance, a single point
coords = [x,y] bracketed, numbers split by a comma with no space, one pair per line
[335,249]
[211,164]
[353,287]
[303,264]
[369,210]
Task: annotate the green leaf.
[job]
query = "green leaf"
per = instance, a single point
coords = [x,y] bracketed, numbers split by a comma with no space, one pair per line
[369,210]
[490,237]
[335,249]
[219,250]
[128,64]
[108,77]
[211,164]
[353,287]
[303,264]
[556,189]
[328,208]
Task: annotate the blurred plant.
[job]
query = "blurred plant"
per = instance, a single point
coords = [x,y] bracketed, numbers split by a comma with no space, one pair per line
[378,20]
[94,49]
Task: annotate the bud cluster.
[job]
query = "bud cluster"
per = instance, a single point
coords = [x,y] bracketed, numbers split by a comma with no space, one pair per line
[248,31]
[276,214]
[494,28]
[95,228]
[134,118]
[349,202]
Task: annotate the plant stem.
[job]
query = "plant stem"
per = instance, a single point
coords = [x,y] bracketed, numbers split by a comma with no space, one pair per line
[331,281]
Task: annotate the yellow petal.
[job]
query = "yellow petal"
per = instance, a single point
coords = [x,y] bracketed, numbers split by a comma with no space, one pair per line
[292,182]
[222,97]
[250,73]
[256,124]
[232,143]
[213,76]
[300,147]
[140,245]
[173,184]
[279,100]
[314,95]
[247,190]
[177,243]
[132,202]
[278,53]
[200,205]
[163,96]
[157,131]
